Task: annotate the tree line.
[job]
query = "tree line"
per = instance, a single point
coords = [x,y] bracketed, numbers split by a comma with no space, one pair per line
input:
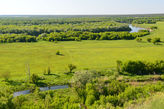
[77,36]
[36,30]
[70,36]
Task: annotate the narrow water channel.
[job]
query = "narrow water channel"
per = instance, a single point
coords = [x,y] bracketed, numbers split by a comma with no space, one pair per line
[15,94]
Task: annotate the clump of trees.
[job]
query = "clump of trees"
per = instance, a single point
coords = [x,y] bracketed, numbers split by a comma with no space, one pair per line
[74,36]
[149,40]
[141,67]
[9,38]
[156,40]
[58,52]
[153,27]
[34,78]
[71,67]
[139,39]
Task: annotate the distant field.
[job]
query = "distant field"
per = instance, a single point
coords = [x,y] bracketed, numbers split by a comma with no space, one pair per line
[86,54]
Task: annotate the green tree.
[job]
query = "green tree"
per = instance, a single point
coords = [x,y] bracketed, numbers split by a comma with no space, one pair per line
[156,40]
[149,39]
[71,67]
[34,78]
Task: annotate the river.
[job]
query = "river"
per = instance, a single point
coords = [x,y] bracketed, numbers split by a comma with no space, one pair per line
[135,29]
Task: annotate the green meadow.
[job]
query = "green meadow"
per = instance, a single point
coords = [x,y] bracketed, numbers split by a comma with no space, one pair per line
[89,54]
[95,55]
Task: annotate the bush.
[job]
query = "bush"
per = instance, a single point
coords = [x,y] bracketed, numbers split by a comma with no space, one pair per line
[153,27]
[138,39]
[58,53]
[49,71]
[116,87]
[34,79]
[71,67]
[90,100]
[156,40]
[149,39]
[143,68]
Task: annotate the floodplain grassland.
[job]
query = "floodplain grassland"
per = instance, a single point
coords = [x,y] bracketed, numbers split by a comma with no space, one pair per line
[85,55]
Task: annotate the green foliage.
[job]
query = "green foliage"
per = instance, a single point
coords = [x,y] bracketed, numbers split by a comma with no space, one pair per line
[58,52]
[149,40]
[143,68]
[139,39]
[153,27]
[156,40]
[48,71]
[115,87]
[90,100]
[71,67]
[34,78]
[9,38]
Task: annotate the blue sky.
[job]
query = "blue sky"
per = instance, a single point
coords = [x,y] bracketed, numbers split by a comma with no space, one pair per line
[69,7]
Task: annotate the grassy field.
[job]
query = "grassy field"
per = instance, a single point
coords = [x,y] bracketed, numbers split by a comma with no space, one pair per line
[86,54]
[14,57]
[154,102]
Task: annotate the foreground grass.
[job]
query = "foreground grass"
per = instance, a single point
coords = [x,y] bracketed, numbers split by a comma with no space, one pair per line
[86,54]
[154,102]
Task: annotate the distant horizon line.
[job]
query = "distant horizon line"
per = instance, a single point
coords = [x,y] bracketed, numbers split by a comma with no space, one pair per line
[77,14]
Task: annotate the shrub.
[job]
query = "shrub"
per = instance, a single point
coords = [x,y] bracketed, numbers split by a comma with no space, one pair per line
[71,67]
[49,71]
[116,87]
[156,40]
[149,39]
[34,79]
[143,68]
[78,39]
[90,100]
[153,27]
[138,39]
[58,53]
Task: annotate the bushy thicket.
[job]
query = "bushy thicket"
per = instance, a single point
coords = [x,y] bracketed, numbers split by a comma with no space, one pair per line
[9,38]
[141,67]
[89,89]
[72,36]
[95,92]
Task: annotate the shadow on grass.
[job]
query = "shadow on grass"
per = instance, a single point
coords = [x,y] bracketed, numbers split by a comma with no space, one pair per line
[52,75]
[69,73]
[14,83]
[41,84]
[60,54]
